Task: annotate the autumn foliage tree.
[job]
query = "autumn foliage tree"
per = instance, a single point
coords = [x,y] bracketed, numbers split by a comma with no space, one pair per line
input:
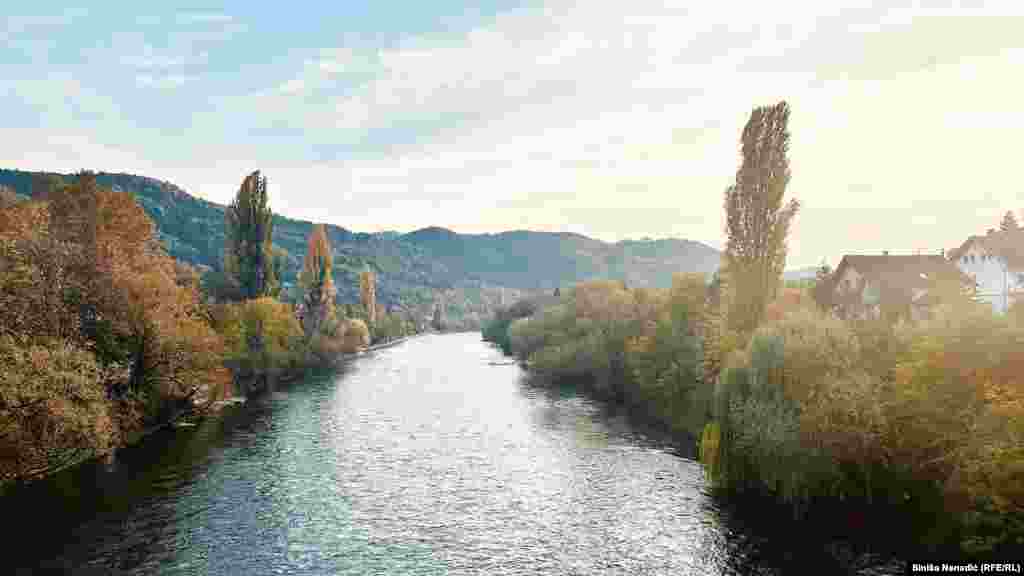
[317,281]
[368,294]
[248,256]
[757,221]
[7,197]
[355,334]
[100,329]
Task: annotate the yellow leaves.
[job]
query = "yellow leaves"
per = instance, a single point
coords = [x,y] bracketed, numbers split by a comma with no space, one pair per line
[689,290]
[356,335]
[316,276]
[639,344]
[710,449]
[24,219]
[51,397]
[368,293]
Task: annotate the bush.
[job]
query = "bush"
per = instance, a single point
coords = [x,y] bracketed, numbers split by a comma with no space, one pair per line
[355,335]
[52,399]
[639,345]
[260,334]
[497,329]
[925,416]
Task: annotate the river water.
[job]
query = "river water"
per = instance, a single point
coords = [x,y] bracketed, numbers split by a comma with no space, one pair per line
[435,456]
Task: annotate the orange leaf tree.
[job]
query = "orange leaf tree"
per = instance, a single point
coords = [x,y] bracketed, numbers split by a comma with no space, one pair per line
[317,281]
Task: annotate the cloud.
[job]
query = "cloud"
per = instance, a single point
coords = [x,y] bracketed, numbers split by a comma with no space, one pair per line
[168,81]
[624,117]
[314,72]
[204,18]
[67,151]
[149,59]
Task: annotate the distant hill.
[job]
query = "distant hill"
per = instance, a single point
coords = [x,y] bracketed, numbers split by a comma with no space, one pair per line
[545,260]
[468,272]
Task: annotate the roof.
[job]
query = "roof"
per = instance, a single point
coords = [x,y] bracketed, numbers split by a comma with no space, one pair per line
[904,271]
[1007,244]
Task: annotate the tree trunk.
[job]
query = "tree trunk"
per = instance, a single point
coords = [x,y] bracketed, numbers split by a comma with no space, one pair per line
[138,370]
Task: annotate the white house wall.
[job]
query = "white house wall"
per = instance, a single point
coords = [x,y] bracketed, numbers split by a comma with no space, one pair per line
[990,274]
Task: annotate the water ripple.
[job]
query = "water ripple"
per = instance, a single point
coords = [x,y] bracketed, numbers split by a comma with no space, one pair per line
[424,459]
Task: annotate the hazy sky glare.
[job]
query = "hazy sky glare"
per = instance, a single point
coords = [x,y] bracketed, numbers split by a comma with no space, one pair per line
[616,120]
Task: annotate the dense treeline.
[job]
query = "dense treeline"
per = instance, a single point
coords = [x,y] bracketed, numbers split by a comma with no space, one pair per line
[919,426]
[100,331]
[412,270]
[103,334]
[266,337]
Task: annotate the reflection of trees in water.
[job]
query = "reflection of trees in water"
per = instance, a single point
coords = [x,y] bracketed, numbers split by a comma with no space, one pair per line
[750,537]
[615,419]
[760,536]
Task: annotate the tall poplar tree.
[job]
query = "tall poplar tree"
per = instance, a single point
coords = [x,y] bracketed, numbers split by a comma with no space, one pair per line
[317,280]
[368,293]
[248,257]
[757,221]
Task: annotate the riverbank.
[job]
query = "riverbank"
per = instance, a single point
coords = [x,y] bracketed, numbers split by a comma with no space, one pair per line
[915,425]
[64,459]
[253,384]
[406,465]
[248,381]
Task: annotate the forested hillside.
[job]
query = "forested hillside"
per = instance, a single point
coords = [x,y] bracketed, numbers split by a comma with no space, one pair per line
[415,271]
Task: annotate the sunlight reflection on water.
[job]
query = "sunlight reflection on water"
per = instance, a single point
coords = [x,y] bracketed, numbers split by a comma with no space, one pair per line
[403,464]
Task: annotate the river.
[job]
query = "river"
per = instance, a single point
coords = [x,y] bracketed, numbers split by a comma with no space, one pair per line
[435,456]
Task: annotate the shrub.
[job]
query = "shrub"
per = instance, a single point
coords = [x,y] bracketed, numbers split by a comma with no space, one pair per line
[355,335]
[261,333]
[52,399]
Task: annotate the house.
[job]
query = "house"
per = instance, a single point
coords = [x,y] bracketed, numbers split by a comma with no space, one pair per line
[995,262]
[904,285]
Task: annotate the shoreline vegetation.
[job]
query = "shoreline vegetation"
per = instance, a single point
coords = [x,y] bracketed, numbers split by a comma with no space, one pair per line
[913,431]
[909,432]
[104,338]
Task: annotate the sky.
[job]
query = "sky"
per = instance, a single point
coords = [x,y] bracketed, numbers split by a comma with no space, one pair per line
[611,119]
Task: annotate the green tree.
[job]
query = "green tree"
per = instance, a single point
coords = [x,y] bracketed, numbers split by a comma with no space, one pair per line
[437,323]
[757,222]
[1009,222]
[248,256]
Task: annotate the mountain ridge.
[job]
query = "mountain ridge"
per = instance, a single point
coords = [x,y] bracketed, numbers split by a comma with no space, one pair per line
[470,273]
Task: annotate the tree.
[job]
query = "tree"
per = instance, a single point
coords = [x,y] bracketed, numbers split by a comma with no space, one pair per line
[821,293]
[757,222]
[317,281]
[356,334]
[1009,222]
[248,255]
[42,185]
[437,322]
[368,294]
[7,197]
